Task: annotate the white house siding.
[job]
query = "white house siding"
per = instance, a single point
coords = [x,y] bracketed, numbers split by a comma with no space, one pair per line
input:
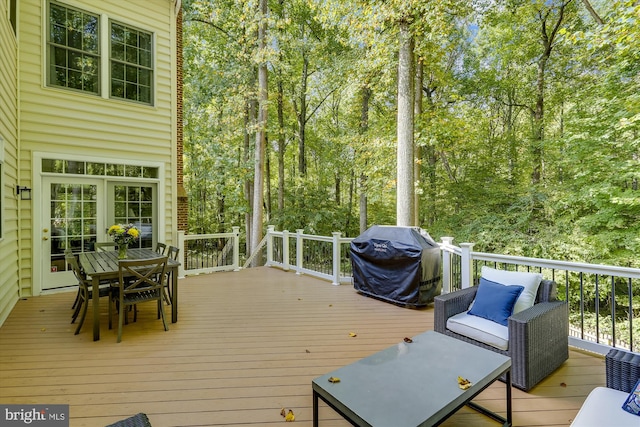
[8,132]
[55,120]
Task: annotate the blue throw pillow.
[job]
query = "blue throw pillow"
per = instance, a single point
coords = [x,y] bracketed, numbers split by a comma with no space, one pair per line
[495,301]
[632,404]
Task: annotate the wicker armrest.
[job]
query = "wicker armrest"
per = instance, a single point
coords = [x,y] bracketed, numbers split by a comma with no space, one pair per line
[448,305]
[539,340]
[623,369]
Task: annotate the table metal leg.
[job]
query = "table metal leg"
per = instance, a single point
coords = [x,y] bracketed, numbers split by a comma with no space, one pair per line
[509,413]
[174,295]
[315,409]
[95,288]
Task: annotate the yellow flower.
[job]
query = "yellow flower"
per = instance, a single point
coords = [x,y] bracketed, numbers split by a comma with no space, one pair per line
[133,232]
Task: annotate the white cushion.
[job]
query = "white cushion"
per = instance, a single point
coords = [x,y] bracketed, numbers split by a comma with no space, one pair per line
[530,281]
[603,407]
[480,329]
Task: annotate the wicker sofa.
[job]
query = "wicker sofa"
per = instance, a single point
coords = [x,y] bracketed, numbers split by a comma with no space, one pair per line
[538,337]
[603,406]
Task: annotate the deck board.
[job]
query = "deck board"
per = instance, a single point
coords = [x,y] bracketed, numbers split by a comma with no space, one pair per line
[246,345]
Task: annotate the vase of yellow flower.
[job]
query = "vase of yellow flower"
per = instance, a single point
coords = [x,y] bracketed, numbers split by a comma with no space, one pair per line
[123,235]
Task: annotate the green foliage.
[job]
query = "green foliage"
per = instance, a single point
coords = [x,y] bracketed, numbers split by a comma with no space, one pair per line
[475,133]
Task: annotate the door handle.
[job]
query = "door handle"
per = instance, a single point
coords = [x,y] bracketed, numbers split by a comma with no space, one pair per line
[45,238]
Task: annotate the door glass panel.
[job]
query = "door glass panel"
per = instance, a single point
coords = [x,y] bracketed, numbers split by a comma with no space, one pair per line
[73,219]
[133,204]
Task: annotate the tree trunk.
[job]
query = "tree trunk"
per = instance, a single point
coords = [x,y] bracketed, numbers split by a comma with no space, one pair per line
[364,127]
[258,192]
[417,110]
[267,178]
[405,158]
[547,39]
[302,116]
[281,146]
[249,117]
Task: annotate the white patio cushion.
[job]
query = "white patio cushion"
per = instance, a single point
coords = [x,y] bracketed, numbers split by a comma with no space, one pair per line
[480,329]
[530,281]
[603,407]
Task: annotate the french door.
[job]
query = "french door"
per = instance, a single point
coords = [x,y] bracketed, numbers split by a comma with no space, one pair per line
[71,219]
[77,212]
[133,203]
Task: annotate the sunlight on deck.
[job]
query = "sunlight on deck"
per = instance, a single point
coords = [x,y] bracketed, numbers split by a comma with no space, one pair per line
[246,345]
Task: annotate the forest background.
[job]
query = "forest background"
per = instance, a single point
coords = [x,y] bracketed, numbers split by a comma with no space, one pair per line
[524,131]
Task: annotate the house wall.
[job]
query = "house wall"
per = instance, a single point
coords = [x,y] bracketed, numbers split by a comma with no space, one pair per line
[56,120]
[9,145]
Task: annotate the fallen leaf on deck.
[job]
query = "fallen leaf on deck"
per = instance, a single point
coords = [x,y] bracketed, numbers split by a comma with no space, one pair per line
[283,412]
[353,334]
[464,383]
[334,380]
[408,340]
[290,417]
[307,351]
[563,384]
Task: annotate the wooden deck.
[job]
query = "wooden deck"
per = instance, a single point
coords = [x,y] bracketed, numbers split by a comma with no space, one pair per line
[246,345]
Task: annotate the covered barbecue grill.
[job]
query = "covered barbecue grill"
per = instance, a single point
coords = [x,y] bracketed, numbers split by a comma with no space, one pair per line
[397,264]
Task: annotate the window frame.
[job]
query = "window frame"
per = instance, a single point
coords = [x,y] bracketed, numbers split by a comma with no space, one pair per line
[123,61]
[12,15]
[105,59]
[51,45]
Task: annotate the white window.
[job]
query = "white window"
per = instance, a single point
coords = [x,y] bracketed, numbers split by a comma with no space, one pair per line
[73,49]
[131,63]
[75,60]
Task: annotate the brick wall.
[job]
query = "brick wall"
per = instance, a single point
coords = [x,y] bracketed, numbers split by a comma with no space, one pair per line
[183,202]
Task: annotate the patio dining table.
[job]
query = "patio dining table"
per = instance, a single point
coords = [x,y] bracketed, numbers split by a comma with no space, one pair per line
[103,265]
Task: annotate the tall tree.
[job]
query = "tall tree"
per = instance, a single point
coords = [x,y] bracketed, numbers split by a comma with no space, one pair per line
[405,157]
[263,91]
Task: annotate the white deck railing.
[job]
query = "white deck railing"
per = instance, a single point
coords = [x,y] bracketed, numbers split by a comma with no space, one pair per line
[208,253]
[327,257]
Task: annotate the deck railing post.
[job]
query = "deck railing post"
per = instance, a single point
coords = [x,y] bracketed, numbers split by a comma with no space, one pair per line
[299,249]
[285,250]
[336,257]
[270,230]
[180,243]
[466,265]
[446,265]
[236,248]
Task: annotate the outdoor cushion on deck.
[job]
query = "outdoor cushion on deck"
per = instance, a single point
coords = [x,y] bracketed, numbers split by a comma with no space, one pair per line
[537,338]
[603,406]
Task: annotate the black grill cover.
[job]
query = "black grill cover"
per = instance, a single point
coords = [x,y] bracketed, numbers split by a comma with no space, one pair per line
[397,264]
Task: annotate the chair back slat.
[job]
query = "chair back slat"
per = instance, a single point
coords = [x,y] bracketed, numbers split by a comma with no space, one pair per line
[142,275]
[173,252]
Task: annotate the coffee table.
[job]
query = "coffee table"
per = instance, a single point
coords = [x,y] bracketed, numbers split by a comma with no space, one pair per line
[413,384]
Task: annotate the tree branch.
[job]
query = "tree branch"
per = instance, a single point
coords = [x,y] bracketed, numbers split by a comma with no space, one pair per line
[592,11]
[211,24]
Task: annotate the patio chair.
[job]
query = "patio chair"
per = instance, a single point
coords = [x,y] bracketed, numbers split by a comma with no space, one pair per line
[105,246]
[536,338]
[161,248]
[172,253]
[603,405]
[85,291]
[140,280]
[138,420]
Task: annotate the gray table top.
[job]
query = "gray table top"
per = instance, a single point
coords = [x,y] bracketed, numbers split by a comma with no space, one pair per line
[411,384]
